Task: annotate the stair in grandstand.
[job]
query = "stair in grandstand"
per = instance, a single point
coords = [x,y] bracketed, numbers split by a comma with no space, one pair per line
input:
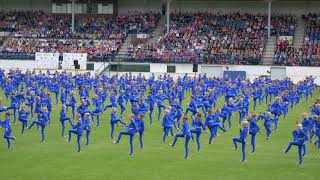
[268,54]
[158,30]
[5,41]
[299,33]
[123,51]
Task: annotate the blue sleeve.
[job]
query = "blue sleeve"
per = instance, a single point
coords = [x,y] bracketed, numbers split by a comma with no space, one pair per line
[260,117]
[206,121]
[256,124]
[142,125]
[2,124]
[178,106]
[305,135]
[135,126]
[78,125]
[294,135]
[203,126]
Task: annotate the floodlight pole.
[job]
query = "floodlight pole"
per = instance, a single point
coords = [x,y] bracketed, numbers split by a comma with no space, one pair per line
[269,18]
[168,16]
[72,14]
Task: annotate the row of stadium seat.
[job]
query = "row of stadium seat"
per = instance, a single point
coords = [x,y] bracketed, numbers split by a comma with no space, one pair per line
[218,38]
[204,37]
[16,55]
[38,24]
[309,54]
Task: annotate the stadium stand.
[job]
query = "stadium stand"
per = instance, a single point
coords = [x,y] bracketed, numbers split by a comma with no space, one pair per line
[99,36]
[312,37]
[210,38]
[309,53]
[213,38]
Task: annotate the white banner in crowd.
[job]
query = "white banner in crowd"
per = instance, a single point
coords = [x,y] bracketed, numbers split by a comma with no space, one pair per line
[69,58]
[47,60]
[285,38]
[143,36]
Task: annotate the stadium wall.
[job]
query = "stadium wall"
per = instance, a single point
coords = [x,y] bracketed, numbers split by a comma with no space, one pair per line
[288,7]
[126,6]
[296,73]
[44,5]
[31,64]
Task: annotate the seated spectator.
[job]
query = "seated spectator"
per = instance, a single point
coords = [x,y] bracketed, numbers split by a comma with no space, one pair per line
[92,47]
[99,36]
[209,38]
[309,54]
[311,45]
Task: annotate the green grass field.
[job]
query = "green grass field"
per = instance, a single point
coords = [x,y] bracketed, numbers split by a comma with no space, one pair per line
[101,159]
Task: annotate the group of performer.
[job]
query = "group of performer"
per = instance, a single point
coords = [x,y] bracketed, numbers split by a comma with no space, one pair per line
[32,95]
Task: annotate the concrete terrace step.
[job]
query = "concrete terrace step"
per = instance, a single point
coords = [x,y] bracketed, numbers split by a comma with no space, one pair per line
[268,59]
[299,34]
[271,54]
[269,49]
[268,54]
[5,41]
[124,48]
[160,27]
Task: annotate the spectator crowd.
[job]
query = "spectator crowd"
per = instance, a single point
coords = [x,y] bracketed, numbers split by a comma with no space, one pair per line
[309,53]
[100,36]
[235,38]
[214,38]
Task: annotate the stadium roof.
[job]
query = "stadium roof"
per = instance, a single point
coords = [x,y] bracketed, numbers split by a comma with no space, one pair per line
[243,0]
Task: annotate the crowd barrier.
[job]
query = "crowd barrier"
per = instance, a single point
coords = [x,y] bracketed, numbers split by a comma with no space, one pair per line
[296,73]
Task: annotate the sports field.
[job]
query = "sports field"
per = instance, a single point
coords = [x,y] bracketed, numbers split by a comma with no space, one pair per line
[101,159]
